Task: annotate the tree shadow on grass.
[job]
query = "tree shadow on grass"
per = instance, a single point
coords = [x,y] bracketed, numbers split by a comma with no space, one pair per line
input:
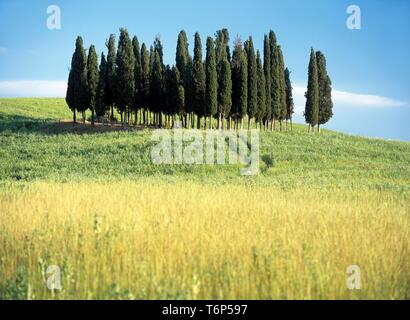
[27,125]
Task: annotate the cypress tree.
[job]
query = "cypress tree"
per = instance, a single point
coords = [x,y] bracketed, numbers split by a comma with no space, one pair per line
[125,73]
[325,91]
[211,83]
[137,76]
[252,81]
[156,87]
[224,78]
[289,98]
[224,91]
[198,75]
[101,106]
[180,93]
[145,80]
[111,74]
[239,82]
[282,87]
[312,94]
[261,110]
[268,75]
[171,92]
[275,85]
[77,89]
[92,80]
[274,78]
[184,64]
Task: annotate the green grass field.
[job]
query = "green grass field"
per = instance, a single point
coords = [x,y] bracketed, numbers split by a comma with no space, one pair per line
[91,201]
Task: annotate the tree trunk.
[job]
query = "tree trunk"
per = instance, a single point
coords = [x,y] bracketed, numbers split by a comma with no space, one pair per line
[198,122]
[92,117]
[112,113]
[219,121]
[249,123]
[291,129]
[83,113]
[74,116]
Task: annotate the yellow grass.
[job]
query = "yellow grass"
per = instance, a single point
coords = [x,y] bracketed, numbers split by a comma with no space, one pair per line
[148,240]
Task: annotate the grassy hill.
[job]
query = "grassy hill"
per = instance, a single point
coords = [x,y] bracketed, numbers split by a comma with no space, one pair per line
[91,201]
[35,146]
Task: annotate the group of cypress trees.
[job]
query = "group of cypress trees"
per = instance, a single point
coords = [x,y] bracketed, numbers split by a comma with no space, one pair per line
[198,91]
[319,104]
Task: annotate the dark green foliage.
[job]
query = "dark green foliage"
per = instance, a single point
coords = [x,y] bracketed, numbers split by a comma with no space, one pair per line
[282,86]
[275,84]
[261,111]
[274,78]
[156,87]
[92,79]
[239,81]
[101,105]
[267,70]
[111,72]
[77,89]
[137,101]
[225,89]
[159,48]
[198,77]
[252,79]
[325,90]
[145,75]
[289,96]
[171,90]
[134,79]
[184,64]
[312,94]
[211,82]
[222,45]
[125,83]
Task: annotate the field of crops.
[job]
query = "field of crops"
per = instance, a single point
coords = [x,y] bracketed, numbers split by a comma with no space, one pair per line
[120,227]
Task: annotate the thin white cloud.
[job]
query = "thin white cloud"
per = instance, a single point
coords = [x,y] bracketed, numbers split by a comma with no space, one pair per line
[32,89]
[3,50]
[343,98]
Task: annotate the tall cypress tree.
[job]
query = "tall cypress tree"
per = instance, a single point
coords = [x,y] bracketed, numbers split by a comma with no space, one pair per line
[282,87]
[289,98]
[101,106]
[239,82]
[111,74]
[211,82]
[156,87]
[171,88]
[198,75]
[275,96]
[92,79]
[312,94]
[77,96]
[184,64]
[261,111]
[137,76]
[145,80]
[224,91]
[268,75]
[325,91]
[252,81]
[125,73]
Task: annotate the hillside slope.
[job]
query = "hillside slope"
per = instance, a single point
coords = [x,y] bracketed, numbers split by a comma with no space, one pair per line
[35,146]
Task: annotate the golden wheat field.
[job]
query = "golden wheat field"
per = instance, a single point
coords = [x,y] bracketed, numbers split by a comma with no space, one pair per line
[147,240]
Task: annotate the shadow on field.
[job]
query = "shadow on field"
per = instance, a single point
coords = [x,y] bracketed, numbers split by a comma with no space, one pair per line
[21,124]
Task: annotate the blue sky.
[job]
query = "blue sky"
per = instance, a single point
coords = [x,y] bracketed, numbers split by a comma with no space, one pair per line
[370,67]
